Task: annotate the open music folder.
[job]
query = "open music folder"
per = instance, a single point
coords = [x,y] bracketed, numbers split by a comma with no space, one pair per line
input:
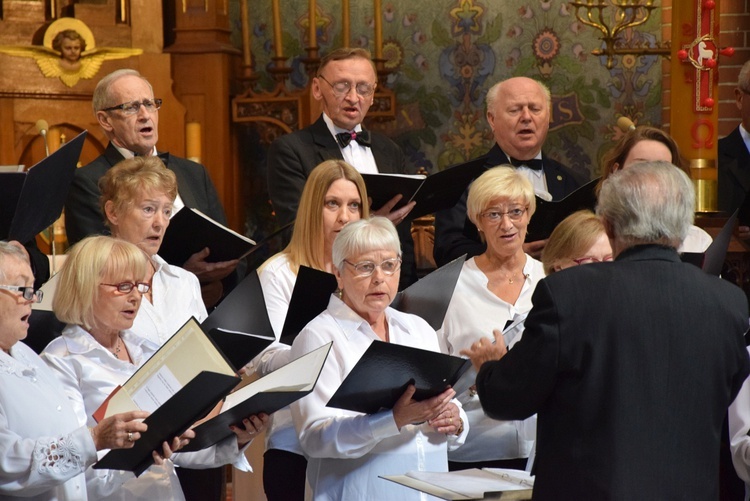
[191,231]
[31,201]
[432,193]
[486,483]
[384,371]
[179,384]
[267,394]
[550,213]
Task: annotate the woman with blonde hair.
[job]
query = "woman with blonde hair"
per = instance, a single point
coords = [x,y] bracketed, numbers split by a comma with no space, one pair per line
[334,195]
[579,239]
[494,288]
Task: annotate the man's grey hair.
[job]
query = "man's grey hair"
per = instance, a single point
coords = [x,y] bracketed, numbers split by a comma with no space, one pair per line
[101,97]
[648,203]
[743,82]
[363,236]
[8,250]
[496,89]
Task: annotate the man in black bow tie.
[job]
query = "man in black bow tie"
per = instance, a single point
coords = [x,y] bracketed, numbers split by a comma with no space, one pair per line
[518,112]
[345,87]
[128,113]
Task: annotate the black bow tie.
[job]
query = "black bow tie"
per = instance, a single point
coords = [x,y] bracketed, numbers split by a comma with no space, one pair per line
[344,138]
[533,164]
[163,156]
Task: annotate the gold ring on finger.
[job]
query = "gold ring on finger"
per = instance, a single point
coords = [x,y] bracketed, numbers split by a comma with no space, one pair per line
[130,436]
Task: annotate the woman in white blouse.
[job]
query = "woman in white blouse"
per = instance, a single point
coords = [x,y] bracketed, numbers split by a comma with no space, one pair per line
[334,195]
[137,198]
[347,451]
[493,289]
[98,295]
[44,450]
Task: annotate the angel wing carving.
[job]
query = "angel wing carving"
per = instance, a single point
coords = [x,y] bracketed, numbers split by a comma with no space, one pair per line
[49,60]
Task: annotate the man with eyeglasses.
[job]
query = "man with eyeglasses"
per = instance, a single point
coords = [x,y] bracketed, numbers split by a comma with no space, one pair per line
[128,113]
[518,112]
[345,87]
[734,156]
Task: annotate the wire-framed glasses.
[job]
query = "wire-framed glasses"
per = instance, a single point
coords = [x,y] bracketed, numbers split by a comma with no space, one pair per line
[341,89]
[367,268]
[494,215]
[592,259]
[28,293]
[126,287]
[133,107]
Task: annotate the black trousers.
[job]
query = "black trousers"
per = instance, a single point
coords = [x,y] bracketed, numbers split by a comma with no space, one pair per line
[202,485]
[284,475]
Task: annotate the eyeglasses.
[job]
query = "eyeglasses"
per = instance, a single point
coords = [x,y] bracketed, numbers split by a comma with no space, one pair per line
[494,216]
[367,268]
[134,107]
[591,259]
[28,293]
[341,89]
[126,287]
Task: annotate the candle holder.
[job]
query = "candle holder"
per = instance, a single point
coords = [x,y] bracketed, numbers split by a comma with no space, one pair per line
[280,70]
[629,14]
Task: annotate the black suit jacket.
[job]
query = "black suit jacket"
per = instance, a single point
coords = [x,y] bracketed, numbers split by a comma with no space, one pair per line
[83,217]
[293,156]
[630,367]
[456,235]
[734,172]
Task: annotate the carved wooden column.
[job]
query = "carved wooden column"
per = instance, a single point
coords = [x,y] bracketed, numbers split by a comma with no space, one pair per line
[202,62]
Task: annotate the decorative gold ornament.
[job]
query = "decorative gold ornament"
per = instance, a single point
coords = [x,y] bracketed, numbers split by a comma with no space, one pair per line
[69,52]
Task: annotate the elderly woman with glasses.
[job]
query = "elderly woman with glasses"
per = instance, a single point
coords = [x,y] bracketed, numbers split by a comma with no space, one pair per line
[493,289]
[347,450]
[578,239]
[98,295]
[44,450]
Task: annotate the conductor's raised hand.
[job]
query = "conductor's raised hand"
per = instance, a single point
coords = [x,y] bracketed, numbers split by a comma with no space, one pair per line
[409,411]
[486,350]
[395,216]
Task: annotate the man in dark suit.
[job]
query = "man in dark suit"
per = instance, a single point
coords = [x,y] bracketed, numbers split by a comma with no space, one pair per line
[518,111]
[345,87]
[630,365]
[128,114]
[734,156]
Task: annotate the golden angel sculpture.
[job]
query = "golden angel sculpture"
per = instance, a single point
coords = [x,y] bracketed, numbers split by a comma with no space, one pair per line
[69,52]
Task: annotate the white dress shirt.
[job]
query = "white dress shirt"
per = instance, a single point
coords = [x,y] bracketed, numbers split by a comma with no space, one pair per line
[36,423]
[474,312]
[176,296]
[89,373]
[277,280]
[347,451]
[356,155]
[739,441]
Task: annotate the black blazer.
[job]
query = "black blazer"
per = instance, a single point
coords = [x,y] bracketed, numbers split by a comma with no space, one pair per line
[83,216]
[456,235]
[293,156]
[734,171]
[630,367]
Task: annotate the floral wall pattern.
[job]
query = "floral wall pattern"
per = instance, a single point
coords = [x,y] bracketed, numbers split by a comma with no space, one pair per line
[445,54]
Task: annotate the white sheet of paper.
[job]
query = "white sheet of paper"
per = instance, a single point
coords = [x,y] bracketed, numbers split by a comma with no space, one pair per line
[157,390]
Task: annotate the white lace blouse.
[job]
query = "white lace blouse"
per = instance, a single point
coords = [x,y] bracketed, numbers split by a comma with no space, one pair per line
[43,450]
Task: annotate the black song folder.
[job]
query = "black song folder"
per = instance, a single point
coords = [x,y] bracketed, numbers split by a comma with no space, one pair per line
[268,394]
[239,326]
[432,193]
[385,370]
[191,231]
[312,291]
[551,213]
[31,201]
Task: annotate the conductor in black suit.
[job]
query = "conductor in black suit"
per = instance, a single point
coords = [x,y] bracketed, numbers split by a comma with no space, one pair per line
[128,113]
[734,155]
[345,87]
[518,112]
[629,365]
